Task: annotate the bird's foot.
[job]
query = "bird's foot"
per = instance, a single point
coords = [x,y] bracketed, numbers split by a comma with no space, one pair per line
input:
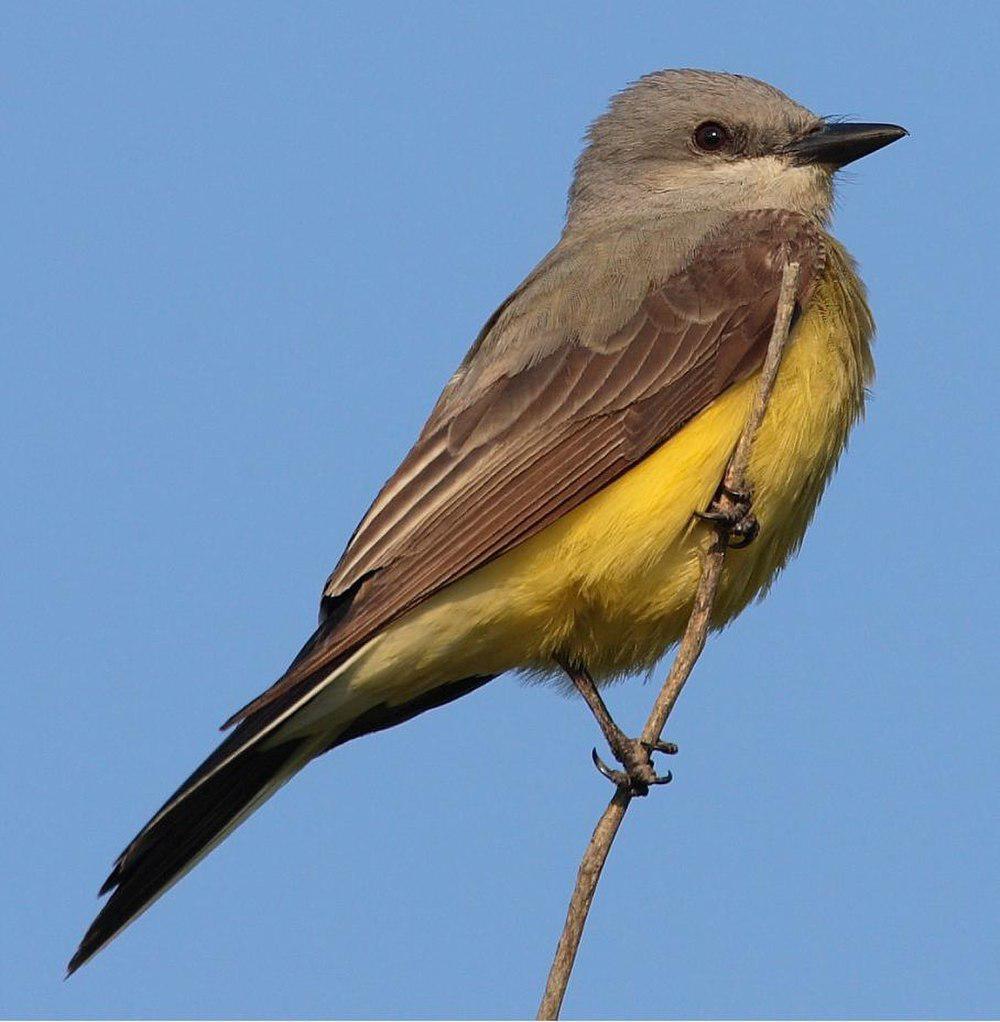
[731,510]
[636,757]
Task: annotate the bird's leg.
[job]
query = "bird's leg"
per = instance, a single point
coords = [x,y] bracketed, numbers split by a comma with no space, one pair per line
[731,509]
[634,755]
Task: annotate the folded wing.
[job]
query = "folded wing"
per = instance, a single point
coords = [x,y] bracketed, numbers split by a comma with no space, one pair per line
[534,445]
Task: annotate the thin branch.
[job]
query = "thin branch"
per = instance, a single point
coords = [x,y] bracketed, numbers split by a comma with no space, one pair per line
[691,644]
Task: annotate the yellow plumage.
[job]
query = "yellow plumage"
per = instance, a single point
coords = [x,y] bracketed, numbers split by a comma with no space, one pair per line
[611,583]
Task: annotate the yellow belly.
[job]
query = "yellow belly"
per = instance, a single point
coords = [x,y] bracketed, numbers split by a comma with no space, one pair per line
[612,582]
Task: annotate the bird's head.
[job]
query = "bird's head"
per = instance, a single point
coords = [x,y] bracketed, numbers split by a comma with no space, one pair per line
[697,141]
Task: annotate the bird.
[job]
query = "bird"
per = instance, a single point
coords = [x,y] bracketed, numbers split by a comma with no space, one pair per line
[550,517]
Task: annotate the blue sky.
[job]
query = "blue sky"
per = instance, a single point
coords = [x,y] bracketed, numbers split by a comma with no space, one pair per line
[244,246]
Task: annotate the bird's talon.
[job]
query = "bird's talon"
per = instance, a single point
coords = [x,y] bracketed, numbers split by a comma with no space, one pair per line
[737,521]
[638,775]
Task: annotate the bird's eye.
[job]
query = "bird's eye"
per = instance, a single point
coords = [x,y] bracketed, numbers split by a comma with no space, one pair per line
[711,137]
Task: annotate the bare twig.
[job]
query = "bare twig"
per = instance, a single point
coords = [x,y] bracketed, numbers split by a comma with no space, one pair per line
[691,644]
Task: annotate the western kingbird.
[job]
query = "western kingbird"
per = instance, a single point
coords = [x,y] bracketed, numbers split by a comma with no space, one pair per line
[547,515]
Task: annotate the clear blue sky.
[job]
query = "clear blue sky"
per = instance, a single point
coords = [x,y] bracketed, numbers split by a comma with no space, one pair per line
[243,247]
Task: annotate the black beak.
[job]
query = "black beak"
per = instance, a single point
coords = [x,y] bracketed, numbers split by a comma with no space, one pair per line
[840,144]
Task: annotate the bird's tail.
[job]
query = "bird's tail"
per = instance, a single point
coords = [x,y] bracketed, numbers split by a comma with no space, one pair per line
[203,811]
[255,760]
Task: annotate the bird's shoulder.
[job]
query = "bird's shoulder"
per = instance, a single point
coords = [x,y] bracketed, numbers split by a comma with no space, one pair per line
[593,283]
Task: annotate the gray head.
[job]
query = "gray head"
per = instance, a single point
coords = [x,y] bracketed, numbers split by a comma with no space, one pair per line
[681,141]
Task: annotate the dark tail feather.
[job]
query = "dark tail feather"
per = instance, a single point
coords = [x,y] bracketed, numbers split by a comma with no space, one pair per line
[175,841]
[235,779]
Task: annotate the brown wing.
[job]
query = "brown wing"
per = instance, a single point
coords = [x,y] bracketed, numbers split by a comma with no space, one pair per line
[533,446]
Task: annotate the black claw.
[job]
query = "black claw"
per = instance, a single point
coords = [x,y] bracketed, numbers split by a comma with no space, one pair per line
[611,775]
[665,779]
